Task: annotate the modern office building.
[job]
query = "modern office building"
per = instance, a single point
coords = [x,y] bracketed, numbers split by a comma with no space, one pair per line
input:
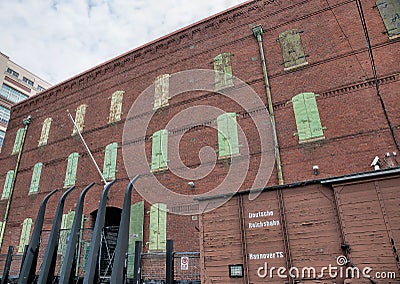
[17,84]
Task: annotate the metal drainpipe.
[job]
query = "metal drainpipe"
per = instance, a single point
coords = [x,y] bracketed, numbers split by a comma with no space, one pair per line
[257,32]
[26,122]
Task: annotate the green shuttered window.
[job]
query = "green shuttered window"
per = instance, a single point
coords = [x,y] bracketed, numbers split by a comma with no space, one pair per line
[44,136]
[79,119]
[18,141]
[116,107]
[307,117]
[292,49]
[135,233]
[223,68]
[159,154]
[390,13]
[228,143]
[25,234]
[1,227]
[158,227]
[161,91]
[72,166]
[66,225]
[8,185]
[37,170]
[85,256]
[110,161]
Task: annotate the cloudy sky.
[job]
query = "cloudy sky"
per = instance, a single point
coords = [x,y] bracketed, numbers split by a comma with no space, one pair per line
[57,39]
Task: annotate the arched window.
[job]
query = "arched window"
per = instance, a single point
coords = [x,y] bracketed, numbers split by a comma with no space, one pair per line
[72,166]
[44,136]
[116,106]
[110,161]
[37,170]
[292,49]
[159,153]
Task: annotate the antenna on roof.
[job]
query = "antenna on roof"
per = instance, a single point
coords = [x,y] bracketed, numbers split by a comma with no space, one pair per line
[87,148]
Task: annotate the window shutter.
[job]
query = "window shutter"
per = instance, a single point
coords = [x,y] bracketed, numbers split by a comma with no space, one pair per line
[8,185]
[158,227]
[72,166]
[292,49]
[37,170]
[161,91]
[153,234]
[222,63]
[18,141]
[313,115]
[1,227]
[390,14]
[162,226]
[135,233]
[228,143]
[155,150]
[110,161]
[116,106]
[86,249]
[25,234]
[164,148]
[45,131]
[307,116]
[79,119]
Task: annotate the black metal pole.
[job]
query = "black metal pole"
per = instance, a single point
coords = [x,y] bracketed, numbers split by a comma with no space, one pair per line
[117,275]
[169,263]
[92,264]
[46,273]
[68,267]
[28,269]
[6,272]
[137,267]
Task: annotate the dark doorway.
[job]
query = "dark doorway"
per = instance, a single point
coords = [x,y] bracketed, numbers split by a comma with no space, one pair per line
[108,241]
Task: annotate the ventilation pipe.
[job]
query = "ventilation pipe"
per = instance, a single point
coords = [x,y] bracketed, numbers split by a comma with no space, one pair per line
[257,32]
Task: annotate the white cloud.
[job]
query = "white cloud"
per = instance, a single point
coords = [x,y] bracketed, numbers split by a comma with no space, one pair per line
[60,38]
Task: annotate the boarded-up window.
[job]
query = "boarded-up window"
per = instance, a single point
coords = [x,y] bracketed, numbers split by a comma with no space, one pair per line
[110,161]
[227,135]
[45,131]
[25,234]
[307,117]
[161,91]
[292,49]
[158,227]
[390,13]
[116,106]
[8,185]
[159,154]
[223,71]
[72,166]
[79,119]
[135,233]
[37,170]
[66,225]
[18,141]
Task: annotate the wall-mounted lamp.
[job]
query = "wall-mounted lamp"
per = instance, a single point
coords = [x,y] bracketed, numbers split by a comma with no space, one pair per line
[235,270]
[316,170]
[191,184]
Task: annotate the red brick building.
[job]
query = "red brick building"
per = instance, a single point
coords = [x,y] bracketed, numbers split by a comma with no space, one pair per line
[332,75]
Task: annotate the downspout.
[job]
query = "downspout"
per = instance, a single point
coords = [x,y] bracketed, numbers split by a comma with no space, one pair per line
[257,32]
[26,122]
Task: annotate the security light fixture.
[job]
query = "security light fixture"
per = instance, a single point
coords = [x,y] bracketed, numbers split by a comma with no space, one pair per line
[235,270]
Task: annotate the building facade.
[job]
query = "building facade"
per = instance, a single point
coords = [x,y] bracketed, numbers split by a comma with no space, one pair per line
[17,84]
[326,74]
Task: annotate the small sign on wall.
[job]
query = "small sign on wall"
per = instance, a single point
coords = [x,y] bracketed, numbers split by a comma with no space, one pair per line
[184,263]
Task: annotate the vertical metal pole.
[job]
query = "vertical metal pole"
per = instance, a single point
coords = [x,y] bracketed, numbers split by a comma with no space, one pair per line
[68,267]
[117,275]
[92,263]
[4,278]
[169,263]
[137,267]
[28,269]
[49,260]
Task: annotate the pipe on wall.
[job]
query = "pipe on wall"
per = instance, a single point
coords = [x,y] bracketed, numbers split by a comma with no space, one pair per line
[26,122]
[257,32]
